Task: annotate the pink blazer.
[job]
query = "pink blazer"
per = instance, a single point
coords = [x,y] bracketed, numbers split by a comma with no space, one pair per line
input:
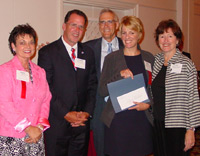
[22,104]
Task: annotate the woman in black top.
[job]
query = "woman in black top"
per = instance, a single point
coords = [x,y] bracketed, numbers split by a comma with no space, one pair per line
[176,106]
[130,131]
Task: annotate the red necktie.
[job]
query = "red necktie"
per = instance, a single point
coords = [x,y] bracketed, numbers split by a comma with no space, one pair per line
[73,57]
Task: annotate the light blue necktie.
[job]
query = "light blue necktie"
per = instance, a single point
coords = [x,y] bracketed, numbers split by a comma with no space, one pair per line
[109,48]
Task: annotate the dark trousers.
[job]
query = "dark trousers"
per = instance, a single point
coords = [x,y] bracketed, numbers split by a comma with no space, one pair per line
[74,143]
[169,141]
[175,141]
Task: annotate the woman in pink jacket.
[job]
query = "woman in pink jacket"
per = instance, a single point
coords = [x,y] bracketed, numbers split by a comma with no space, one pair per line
[24,98]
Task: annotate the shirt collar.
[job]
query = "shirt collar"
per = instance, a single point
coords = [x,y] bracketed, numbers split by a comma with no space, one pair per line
[68,47]
[115,44]
[174,58]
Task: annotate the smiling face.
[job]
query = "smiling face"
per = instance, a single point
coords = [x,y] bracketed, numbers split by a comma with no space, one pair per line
[168,41]
[24,47]
[73,29]
[129,37]
[108,26]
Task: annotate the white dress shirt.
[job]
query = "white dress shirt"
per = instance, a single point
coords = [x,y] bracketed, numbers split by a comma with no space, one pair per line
[69,48]
[104,48]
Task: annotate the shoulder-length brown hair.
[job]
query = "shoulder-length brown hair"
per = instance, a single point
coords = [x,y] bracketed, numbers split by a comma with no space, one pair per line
[164,25]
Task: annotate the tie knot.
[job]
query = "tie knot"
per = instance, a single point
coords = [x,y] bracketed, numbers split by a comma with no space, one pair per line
[109,47]
[73,50]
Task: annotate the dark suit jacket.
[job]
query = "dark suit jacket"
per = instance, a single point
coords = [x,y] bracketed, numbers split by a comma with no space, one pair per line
[95,45]
[71,90]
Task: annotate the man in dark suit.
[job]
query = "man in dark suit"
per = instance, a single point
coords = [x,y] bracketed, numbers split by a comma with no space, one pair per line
[71,74]
[108,26]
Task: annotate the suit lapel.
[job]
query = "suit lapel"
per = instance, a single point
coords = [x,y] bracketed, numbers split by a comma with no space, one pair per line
[97,54]
[80,52]
[81,55]
[62,51]
[121,45]
[97,50]
[148,73]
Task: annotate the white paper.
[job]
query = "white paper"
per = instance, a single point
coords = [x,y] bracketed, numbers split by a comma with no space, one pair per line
[176,68]
[79,63]
[22,75]
[126,100]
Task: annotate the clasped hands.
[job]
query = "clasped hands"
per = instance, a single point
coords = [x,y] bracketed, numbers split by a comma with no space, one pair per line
[77,119]
[34,134]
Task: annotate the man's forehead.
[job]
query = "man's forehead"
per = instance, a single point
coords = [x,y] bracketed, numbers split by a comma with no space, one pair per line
[107,15]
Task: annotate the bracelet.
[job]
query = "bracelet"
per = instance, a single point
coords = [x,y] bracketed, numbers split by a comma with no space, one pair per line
[40,127]
[192,129]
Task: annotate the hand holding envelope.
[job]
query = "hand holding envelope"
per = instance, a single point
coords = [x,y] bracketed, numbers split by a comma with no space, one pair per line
[140,106]
[125,92]
[126,73]
[135,98]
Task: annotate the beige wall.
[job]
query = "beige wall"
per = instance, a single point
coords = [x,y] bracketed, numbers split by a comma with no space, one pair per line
[46,16]
[194,31]
[151,13]
[151,16]
[42,15]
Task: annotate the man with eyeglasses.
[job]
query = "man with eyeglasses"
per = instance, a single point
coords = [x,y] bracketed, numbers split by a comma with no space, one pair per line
[71,74]
[108,26]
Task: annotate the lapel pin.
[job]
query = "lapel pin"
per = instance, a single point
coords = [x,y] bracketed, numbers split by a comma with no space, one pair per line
[82,52]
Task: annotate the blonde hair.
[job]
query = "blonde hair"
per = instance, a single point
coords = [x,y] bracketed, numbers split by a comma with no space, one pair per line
[133,23]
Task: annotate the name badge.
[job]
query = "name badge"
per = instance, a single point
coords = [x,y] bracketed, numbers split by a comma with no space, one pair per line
[176,68]
[147,66]
[22,75]
[79,63]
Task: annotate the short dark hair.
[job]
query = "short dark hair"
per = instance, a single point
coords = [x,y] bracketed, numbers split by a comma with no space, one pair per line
[78,12]
[21,30]
[164,25]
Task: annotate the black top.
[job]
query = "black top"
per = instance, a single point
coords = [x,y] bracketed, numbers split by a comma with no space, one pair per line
[136,61]
[158,91]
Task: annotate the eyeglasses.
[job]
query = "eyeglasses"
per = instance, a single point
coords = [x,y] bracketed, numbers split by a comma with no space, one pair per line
[74,26]
[109,22]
